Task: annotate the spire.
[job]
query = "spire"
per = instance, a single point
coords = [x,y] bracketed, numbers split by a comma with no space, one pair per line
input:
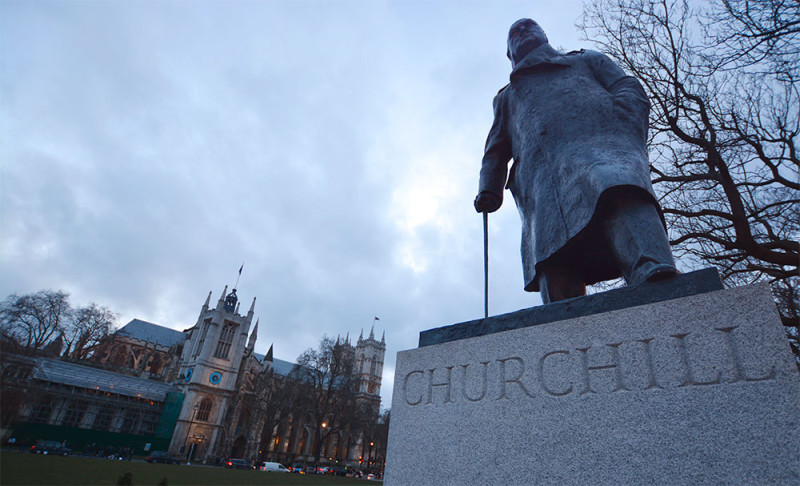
[383,336]
[253,336]
[221,301]
[204,309]
[372,333]
[347,339]
[268,357]
[361,336]
[252,307]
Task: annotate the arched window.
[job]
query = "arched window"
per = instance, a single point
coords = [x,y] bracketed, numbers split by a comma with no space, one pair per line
[42,411]
[225,340]
[199,347]
[205,410]
[130,422]
[73,416]
[103,418]
[373,365]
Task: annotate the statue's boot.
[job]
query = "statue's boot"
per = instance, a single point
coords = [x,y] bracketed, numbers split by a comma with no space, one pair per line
[558,283]
[638,240]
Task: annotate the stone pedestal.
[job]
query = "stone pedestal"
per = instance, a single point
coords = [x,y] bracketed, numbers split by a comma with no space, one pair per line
[701,389]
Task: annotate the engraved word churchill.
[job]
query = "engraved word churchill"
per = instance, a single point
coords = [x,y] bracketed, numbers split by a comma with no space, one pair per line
[673,361]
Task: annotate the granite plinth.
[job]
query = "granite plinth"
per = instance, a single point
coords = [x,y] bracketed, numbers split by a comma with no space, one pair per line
[695,390]
[693,283]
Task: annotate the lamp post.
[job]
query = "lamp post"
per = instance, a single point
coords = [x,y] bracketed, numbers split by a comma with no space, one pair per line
[188,429]
[319,449]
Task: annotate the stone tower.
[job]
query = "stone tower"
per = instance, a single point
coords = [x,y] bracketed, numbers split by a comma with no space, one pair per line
[209,368]
[369,366]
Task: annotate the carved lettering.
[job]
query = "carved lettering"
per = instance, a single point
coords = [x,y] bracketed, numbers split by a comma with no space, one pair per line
[448,384]
[739,372]
[542,382]
[556,376]
[689,376]
[405,388]
[613,366]
[505,379]
[483,390]
[648,357]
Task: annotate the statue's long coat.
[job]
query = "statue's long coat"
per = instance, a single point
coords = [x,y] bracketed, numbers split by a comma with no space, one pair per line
[576,127]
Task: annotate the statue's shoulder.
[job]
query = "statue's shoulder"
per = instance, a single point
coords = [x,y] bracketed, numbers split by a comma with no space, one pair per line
[501,99]
[501,95]
[587,54]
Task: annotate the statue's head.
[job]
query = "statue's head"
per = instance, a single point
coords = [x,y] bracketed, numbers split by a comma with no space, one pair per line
[523,37]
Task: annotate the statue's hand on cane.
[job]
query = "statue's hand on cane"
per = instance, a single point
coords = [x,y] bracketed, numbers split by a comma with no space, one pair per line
[488,202]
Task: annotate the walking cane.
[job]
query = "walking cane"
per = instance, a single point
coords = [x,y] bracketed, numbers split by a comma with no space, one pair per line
[485,264]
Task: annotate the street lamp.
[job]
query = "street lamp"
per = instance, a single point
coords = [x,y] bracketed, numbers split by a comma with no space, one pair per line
[188,429]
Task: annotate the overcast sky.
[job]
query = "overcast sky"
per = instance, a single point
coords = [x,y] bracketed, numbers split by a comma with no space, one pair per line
[148,148]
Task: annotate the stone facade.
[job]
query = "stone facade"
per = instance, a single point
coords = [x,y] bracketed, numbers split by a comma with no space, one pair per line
[214,368]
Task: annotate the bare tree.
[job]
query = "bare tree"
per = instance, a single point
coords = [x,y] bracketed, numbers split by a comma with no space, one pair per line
[721,77]
[273,398]
[15,370]
[374,434]
[86,328]
[35,320]
[327,388]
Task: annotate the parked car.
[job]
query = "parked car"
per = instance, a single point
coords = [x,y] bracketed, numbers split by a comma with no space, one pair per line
[273,466]
[50,447]
[233,463]
[298,468]
[163,457]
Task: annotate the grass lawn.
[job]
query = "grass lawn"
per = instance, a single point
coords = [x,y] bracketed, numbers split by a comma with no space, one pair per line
[21,468]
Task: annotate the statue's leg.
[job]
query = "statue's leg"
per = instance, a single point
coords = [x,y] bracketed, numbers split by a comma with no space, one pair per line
[638,240]
[559,283]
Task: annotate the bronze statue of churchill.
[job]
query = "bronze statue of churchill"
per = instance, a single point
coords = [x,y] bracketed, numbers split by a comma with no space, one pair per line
[575,126]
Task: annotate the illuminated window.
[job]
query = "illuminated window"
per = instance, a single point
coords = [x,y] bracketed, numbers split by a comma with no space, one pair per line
[205,410]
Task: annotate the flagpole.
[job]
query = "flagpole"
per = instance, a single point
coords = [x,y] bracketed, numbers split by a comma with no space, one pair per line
[237,278]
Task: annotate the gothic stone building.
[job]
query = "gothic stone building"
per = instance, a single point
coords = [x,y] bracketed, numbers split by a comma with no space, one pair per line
[190,392]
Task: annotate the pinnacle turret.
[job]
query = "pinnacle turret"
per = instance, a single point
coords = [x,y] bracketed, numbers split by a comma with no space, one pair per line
[221,301]
[253,336]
